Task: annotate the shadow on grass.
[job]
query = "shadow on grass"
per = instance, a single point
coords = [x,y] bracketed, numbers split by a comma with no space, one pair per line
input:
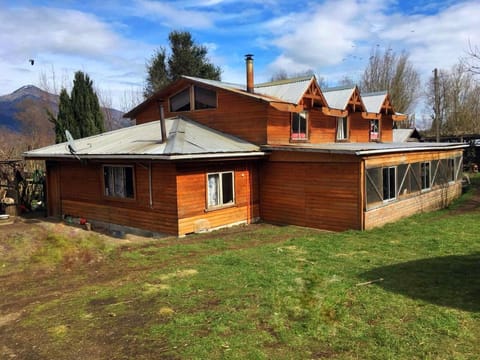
[452,281]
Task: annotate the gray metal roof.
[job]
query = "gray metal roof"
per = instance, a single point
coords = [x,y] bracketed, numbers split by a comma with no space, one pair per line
[366,148]
[337,98]
[186,139]
[373,101]
[290,90]
[402,135]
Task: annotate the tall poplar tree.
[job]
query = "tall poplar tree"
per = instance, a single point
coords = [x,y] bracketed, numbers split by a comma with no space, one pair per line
[80,112]
[185,58]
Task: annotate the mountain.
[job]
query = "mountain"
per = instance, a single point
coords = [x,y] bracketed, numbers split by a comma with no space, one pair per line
[10,106]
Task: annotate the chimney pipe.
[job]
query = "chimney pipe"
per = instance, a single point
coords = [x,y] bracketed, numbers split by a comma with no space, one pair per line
[249,61]
[162,123]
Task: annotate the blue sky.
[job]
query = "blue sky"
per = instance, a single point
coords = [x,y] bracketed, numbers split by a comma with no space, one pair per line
[112,40]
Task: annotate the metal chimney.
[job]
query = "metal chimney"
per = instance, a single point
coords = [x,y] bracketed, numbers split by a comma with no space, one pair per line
[249,63]
[162,123]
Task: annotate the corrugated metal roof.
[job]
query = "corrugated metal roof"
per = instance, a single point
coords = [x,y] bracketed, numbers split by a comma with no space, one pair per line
[186,138]
[402,135]
[290,90]
[338,97]
[373,101]
[366,148]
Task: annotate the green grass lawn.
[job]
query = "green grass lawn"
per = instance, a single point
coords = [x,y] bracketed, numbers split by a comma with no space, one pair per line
[409,290]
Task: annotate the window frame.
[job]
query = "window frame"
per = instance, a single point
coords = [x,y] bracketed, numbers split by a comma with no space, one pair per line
[299,138]
[423,178]
[191,96]
[116,197]
[345,131]
[378,138]
[389,199]
[221,205]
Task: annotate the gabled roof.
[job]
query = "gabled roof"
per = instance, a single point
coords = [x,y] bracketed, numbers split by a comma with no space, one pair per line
[288,90]
[374,101]
[340,97]
[186,139]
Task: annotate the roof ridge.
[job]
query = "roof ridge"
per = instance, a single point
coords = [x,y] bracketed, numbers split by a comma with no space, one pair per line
[338,88]
[375,93]
[285,81]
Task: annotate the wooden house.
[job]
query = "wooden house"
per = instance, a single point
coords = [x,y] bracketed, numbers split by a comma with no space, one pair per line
[205,154]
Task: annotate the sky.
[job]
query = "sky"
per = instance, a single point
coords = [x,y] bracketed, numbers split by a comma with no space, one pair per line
[113,40]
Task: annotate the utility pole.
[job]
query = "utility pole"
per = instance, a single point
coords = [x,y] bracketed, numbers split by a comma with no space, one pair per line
[437,104]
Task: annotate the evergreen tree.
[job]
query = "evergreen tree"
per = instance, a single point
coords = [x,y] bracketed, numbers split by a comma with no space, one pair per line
[80,112]
[186,58]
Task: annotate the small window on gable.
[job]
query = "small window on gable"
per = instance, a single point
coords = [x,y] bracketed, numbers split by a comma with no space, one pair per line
[180,101]
[299,126]
[342,128]
[374,130]
[204,98]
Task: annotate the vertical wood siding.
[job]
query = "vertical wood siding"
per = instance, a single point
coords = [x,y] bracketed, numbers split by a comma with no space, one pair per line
[318,194]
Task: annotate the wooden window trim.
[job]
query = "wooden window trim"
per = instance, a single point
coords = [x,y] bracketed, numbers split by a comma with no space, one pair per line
[191,93]
[307,129]
[347,138]
[395,198]
[118,198]
[209,208]
[429,176]
[379,136]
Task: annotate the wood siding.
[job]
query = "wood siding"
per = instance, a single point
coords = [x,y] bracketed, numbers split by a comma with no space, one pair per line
[409,157]
[82,196]
[54,202]
[311,192]
[193,214]
[429,201]
[238,115]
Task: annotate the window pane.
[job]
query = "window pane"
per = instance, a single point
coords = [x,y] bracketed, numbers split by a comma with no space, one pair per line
[204,98]
[374,185]
[213,190]
[388,183]
[425,172]
[374,130]
[342,128]
[299,125]
[181,101]
[227,188]
[118,181]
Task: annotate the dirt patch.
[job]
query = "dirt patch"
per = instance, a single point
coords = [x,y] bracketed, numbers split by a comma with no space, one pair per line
[8,318]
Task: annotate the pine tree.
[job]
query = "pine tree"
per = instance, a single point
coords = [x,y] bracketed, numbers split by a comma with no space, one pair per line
[186,58]
[80,112]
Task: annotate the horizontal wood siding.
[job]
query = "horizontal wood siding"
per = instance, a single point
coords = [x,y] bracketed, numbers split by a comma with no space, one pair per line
[359,128]
[193,214]
[322,127]
[320,195]
[235,114]
[407,158]
[82,196]
[386,129]
[278,130]
[432,200]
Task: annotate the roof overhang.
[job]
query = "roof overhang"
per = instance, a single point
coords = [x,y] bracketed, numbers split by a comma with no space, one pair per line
[256,154]
[334,112]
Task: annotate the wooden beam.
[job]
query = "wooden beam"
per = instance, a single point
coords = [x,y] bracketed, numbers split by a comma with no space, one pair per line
[371,116]
[399,117]
[334,112]
[286,107]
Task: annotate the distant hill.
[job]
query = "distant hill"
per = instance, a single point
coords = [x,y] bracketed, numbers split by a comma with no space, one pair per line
[9,106]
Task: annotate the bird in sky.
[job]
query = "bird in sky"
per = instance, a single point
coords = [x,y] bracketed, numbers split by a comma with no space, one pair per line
[31,61]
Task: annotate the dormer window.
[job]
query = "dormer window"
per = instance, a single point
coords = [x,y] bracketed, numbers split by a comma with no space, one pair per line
[193,98]
[374,130]
[342,128]
[299,126]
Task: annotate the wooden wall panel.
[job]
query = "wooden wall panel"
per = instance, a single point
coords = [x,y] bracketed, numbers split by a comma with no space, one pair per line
[82,196]
[386,129]
[192,196]
[359,128]
[412,157]
[321,195]
[322,127]
[53,185]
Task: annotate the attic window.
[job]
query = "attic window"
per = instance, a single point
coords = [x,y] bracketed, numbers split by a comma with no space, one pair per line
[193,98]
[204,98]
[180,101]
[374,130]
[342,128]
[299,126]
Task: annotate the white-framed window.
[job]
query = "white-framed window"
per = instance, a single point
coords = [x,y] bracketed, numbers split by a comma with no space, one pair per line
[342,128]
[374,130]
[425,175]
[118,181]
[220,189]
[299,126]
[389,180]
